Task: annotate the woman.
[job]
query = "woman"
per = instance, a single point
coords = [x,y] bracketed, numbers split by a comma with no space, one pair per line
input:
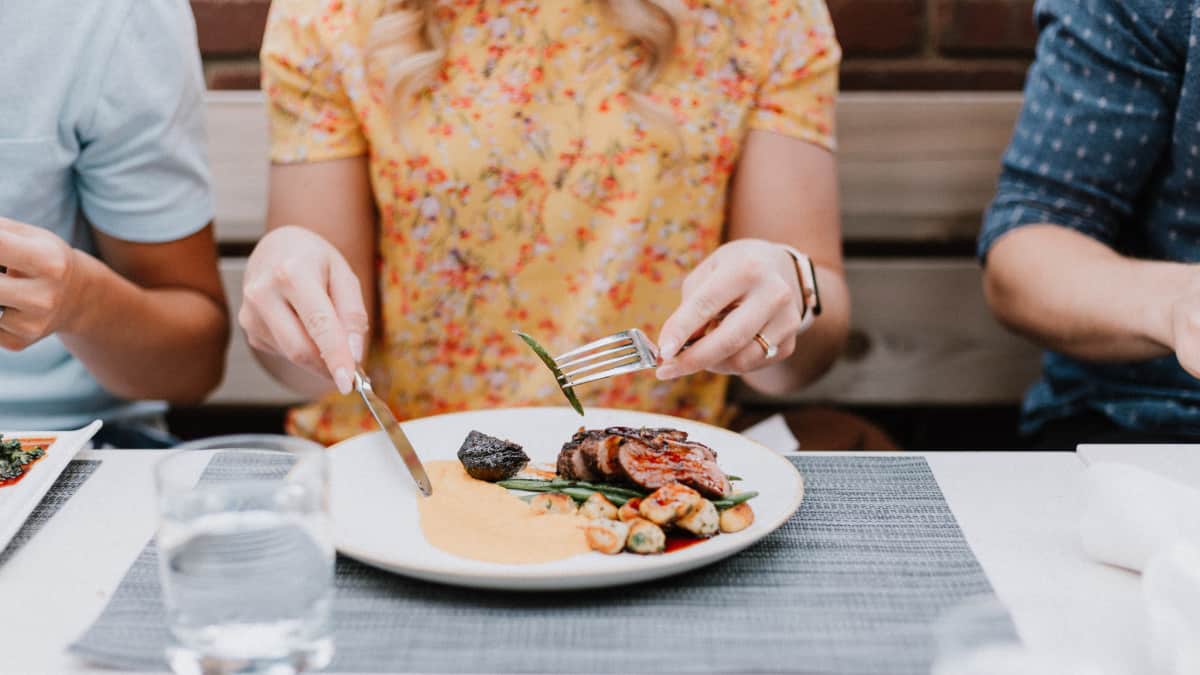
[108,270]
[446,172]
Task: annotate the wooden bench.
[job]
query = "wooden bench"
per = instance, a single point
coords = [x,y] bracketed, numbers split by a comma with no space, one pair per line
[916,172]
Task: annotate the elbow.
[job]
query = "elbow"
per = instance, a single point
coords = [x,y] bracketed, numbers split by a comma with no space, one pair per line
[208,371]
[1004,297]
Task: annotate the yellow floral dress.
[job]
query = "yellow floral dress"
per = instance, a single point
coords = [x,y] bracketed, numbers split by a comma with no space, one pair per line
[534,192]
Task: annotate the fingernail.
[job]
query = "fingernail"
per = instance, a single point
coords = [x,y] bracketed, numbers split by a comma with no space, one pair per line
[666,373]
[342,379]
[356,347]
[668,348]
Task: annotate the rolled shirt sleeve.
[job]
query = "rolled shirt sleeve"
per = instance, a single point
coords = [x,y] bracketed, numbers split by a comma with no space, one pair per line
[1096,120]
[142,171]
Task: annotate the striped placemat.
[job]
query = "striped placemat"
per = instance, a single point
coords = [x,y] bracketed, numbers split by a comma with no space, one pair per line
[851,584]
[73,476]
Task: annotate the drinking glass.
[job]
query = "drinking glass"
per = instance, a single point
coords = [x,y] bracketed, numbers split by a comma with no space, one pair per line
[246,559]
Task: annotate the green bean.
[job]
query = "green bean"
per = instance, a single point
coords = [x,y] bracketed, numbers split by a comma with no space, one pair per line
[557,484]
[730,502]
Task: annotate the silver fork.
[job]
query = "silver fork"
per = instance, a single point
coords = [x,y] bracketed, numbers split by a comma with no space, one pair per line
[618,354]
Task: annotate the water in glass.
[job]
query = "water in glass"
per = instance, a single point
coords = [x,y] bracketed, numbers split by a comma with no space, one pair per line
[247,564]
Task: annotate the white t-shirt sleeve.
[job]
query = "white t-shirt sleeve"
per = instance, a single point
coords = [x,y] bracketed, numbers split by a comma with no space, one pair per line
[142,170]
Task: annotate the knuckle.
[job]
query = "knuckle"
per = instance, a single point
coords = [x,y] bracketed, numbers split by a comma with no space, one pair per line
[706,306]
[748,272]
[319,324]
[246,321]
[780,293]
[285,275]
[256,292]
[256,343]
[54,261]
[357,321]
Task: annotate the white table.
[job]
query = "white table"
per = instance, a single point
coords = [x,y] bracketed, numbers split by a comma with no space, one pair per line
[1177,462]
[1019,512]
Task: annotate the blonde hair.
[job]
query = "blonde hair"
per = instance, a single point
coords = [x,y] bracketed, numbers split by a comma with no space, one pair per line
[407,46]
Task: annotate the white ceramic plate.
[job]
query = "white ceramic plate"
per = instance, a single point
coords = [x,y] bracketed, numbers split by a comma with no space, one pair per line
[18,500]
[375,514]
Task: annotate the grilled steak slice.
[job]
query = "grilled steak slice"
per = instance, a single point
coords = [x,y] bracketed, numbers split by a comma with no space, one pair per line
[689,463]
[571,462]
[605,459]
[648,458]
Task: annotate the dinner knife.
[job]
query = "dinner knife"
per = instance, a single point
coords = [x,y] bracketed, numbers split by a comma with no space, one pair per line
[387,421]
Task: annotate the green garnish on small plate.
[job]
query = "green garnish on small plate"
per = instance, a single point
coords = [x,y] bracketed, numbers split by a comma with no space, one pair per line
[559,378]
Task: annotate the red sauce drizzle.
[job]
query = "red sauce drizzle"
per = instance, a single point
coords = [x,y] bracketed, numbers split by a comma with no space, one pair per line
[677,542]
[29,444]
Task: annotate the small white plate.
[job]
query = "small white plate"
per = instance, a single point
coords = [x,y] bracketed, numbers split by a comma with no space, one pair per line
[18,500]
[375,513]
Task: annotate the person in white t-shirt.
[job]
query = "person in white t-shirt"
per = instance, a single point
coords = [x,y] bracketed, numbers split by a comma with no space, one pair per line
[110,298]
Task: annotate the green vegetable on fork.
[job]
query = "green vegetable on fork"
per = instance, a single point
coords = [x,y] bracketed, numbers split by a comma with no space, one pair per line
[559,378]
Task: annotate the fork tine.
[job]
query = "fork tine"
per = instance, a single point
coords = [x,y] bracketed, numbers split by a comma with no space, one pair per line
[613,339]
[600,365]
[592,356]
[621,370]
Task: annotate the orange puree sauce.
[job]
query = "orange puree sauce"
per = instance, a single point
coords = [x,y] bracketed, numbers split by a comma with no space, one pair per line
[483,521]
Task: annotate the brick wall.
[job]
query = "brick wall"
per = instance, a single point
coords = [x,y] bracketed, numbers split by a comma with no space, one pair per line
[889,44]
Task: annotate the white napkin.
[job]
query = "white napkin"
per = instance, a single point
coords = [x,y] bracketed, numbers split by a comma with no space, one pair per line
[774,433]
[1171,591]
[1146,522]
[1132,513]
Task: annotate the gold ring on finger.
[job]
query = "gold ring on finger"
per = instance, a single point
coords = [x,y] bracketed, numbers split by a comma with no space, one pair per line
[769,350]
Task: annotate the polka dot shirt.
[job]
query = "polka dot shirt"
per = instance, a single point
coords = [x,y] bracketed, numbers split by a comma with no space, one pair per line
[1108,143]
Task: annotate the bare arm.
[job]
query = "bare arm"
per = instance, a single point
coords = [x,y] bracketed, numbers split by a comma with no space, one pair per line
[148,322]
[1101,307]
[333,201]
[786,191]
[1074,187]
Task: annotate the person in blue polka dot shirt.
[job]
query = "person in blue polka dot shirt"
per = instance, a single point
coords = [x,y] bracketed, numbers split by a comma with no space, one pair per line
[1092,242]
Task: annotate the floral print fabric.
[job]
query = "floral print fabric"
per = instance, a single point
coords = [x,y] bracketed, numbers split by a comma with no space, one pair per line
[530,189]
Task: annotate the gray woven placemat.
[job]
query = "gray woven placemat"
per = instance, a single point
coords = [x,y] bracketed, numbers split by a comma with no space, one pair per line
[74,475]
[850,584]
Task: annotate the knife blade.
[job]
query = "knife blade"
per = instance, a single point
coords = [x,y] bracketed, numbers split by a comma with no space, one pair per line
[387,421]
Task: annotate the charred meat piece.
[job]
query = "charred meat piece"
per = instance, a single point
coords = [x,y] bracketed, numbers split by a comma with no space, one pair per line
[649,458]
[491,459]
[600,457]
[571,463]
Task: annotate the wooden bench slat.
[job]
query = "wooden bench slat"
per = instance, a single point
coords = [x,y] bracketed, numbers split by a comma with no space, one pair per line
[922,334]
[913,167]
[929,339]
[237,148]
